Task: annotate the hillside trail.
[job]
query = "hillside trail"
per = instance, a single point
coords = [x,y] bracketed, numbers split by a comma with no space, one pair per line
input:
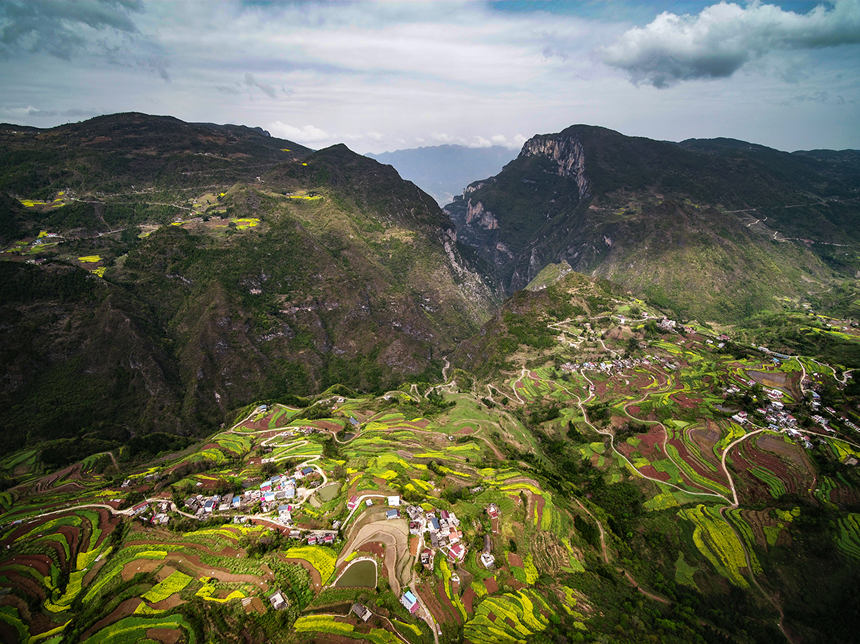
[632,467]
[751,575]
[735,502]
[523,373]
[426,615]
[604,551]
[112,458]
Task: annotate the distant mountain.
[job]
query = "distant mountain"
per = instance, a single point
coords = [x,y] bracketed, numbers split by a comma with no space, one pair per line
[231,270]
[715,229]
[444,170]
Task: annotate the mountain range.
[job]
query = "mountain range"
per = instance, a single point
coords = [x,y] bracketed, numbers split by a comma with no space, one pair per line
[257,392]
[215,264]
[711,229]
[231,264]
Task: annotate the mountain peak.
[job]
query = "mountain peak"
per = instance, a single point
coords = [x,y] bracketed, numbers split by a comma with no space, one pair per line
[644,212]
[566,152]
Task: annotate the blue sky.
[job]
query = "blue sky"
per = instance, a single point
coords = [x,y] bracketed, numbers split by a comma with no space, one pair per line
[386,75]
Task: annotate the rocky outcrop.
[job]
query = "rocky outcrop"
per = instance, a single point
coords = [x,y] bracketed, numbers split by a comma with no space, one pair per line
[478,215]
[567,153]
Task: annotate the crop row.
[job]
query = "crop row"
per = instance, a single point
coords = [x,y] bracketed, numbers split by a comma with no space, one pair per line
[164,589]
[320,557]
[848,539]
[774,484]
[321,623]
[514,618]
[717,541]
[132,629]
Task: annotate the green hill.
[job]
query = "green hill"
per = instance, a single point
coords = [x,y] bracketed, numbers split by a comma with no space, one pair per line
[710,229]
[198,291]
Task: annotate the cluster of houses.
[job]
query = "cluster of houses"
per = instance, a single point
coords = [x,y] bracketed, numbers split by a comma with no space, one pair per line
[201,505]
[442,527]
[444,534]
[154,515]
[605,367]
[778,418]
[278,493]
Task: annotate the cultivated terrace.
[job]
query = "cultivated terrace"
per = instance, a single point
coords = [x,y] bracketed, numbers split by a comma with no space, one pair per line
[589,469]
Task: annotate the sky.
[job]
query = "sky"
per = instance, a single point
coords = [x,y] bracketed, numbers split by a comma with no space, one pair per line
[388,75]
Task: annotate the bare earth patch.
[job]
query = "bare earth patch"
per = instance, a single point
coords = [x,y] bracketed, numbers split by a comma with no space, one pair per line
[125,609]
[164,635]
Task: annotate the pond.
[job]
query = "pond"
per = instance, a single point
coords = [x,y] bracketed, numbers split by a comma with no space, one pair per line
[361,573]
[328,492]
[348,436]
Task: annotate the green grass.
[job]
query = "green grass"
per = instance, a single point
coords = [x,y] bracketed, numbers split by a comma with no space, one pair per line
[684,572]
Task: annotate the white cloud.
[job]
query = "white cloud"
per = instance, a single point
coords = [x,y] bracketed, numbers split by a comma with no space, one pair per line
[724,37]
[387,75]
[304,134]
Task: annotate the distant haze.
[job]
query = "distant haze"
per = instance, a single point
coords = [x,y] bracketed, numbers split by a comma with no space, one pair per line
[443,171]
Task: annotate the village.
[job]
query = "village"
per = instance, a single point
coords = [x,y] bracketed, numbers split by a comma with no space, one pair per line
[273,501]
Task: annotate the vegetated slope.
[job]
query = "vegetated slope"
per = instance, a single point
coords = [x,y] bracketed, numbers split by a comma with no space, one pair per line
[112,171]
[81,357]
[712,229]
[556,294]
[331,269]
[689,418]
[601,482]
[444,170]
[134,151]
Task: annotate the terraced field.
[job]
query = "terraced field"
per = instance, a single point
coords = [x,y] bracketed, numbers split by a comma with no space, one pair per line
[580,460]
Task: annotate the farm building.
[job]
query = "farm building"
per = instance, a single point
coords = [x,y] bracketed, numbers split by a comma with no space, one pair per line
[410,602]
[427,557]
[456,553]
[278,600]
[361,612]
[487,560]
[140,507]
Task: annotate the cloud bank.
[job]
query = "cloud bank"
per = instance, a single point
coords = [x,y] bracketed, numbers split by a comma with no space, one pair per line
[724,37]
[393,74]
[62,28]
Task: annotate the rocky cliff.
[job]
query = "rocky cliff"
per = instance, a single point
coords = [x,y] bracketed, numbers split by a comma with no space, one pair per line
[711,228]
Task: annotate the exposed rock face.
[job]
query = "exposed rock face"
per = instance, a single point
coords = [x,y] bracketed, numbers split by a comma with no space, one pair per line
[668,220]
[548,166]
[476,214]
[567,152]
